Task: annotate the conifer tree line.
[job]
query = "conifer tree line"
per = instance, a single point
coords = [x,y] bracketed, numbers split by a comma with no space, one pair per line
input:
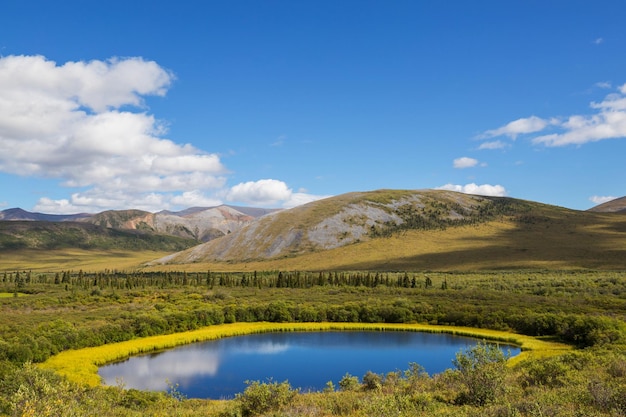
[266,279]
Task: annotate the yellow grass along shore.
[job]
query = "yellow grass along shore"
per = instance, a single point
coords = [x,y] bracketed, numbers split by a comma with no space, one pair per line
[81,365]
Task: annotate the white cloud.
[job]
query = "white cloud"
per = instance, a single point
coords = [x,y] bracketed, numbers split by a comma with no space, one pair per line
[517,127]
[86,125]
[464,162]
[603,84]
[95,200]
[612,102]
[83,137]
[598,41]
[269,192]
[195,198]
[496,144]
[263,192]
[96,85]
[484,189]
[597,199]
[608,122]
[578,130]
[62,206]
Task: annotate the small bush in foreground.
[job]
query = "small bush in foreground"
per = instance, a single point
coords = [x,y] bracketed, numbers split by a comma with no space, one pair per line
[482,369]
[259,398]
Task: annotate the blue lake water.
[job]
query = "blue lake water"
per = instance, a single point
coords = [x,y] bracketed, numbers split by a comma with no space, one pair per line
[308,360]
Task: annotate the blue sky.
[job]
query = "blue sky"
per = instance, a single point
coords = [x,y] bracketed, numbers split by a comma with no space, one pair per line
[172,104]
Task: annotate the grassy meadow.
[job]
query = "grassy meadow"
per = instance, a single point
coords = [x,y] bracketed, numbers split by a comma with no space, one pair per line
[570,323]
[54,260]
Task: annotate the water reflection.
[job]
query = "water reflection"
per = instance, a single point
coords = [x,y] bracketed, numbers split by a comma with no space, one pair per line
[218,369]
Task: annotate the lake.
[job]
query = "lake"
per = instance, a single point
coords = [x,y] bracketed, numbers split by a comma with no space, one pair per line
[308,360]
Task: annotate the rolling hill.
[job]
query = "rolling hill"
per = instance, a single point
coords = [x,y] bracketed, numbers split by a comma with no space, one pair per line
[417,229]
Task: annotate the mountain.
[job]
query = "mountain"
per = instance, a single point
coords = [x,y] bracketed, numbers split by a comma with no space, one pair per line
[424,229]
[199,223]
[250,211]
[19,214]
[614,206]
[49,235]
[376,230]
[202,224]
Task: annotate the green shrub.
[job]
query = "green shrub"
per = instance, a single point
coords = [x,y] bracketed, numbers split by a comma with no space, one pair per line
[482,369]
[372,381]
[551,372]
[349,383]
[259,398]
[138,400]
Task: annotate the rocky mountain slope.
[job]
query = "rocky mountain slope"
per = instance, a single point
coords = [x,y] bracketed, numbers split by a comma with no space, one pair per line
[199,223]
[395,230]
[346,219]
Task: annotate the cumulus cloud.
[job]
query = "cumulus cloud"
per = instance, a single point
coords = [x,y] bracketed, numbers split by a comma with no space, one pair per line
[195,198]
[268,192]
[94,200]
[608,121]
[597,199]
[85,124]
[264,192]
[484,189]
[86,136]
[464,162]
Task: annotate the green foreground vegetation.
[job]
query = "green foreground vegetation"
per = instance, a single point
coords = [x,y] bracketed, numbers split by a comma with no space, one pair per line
[66,310]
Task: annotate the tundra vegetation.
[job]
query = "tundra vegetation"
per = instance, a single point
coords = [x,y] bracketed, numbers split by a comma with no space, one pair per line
[46,313]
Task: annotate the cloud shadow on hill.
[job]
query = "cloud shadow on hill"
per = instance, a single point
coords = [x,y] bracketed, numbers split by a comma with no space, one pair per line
[561,244]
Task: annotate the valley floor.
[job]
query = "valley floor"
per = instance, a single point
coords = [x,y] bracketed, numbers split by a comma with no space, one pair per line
[55,312]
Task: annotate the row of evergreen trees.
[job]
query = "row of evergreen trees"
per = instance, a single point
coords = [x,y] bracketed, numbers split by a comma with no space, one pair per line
[271,279]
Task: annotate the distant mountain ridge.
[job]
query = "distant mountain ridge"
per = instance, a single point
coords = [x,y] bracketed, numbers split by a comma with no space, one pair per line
[13,214]
[50,235]
[199,223]
[617,205]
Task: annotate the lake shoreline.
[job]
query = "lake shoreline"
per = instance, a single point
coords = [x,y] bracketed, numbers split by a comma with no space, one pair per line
[81,365]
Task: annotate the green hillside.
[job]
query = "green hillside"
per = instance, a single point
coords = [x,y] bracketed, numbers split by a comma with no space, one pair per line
[417,230]
[23,235]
